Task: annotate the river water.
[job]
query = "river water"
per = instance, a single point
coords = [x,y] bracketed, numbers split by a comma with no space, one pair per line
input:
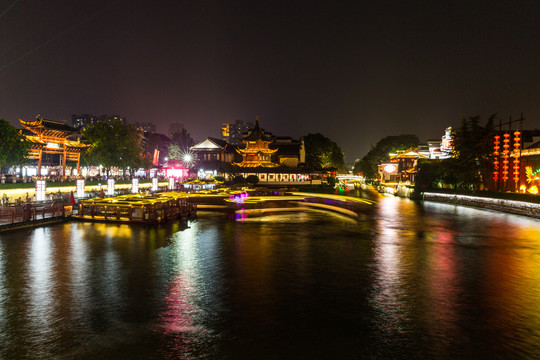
[413,280]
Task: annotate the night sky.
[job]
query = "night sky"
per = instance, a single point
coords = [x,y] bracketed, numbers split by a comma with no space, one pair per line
[355,71]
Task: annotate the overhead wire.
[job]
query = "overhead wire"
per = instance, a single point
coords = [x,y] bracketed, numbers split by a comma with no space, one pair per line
[85,20]
[9,7]
[44,25]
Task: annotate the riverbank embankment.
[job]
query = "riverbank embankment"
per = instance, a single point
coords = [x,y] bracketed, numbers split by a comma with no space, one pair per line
[509,206]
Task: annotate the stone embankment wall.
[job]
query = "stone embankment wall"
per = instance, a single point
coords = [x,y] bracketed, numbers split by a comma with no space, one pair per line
[509,206]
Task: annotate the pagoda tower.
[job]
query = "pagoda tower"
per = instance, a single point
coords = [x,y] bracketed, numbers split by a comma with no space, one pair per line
[257,153]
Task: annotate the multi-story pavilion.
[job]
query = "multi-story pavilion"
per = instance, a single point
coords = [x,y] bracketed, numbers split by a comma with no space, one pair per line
[257,152]
[53,137]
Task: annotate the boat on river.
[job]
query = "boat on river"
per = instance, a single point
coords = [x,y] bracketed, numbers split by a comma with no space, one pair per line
[137,208]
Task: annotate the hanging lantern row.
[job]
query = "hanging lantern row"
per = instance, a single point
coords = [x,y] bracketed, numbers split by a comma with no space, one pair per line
[496,161]
[502,166]
[505,156]
[517,146]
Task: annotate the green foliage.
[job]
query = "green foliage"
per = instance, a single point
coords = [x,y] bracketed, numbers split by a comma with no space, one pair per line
[13,145]
[175,152]
[330,180]
[115,144]
[321,152]
[473,152]
[252,179]
[380,153]
[434,173]
[471,164]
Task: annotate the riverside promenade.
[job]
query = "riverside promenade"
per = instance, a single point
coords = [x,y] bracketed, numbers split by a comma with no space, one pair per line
[20,216]
[19,209]
[504,205]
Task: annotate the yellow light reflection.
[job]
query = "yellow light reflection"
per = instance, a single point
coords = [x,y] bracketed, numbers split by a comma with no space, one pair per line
[41,286]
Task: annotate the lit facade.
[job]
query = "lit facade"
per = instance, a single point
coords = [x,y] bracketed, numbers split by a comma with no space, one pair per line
[257,152]
[232,132]
[48,137]
[211,153]
[83,120]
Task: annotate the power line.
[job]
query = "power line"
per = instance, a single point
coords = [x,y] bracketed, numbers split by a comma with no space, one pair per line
[9,7]
[44,24]
[57,36]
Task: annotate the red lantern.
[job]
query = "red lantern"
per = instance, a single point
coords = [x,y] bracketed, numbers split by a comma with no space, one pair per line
[517,147]
[496,161]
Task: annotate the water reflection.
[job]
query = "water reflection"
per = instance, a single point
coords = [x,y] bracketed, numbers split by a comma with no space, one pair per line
[182,320]
[389,291]
[41,289]
[413,281]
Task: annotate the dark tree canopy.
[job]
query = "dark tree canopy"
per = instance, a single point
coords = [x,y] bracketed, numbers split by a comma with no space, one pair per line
[321,152]
[182,139]
[252,179]
[13,145]
[471,164]
[181,142]
[381,153]
[115,144]
[473,145]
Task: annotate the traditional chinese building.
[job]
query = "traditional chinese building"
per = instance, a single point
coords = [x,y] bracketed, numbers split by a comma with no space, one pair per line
[211,153]
[53,137]
[257,152]
[398,175]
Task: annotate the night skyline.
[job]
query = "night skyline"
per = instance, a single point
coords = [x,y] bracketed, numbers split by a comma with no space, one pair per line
[354,72]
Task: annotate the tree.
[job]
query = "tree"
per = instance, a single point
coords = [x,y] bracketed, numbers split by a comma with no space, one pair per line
[239,179]
[13,145]
[252,180]
[471,164]
[175,152]
[115,144]
[321,152]
[473,152]
[380,153]
[435,173]
[183,140]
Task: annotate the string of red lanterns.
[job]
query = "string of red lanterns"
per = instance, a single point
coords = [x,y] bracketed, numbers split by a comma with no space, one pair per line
[496,161]
[517,146]
[505,156]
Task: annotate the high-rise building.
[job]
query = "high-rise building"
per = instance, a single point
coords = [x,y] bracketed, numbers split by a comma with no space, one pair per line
[146,126]
[83,120]
[232,132]
[176,126]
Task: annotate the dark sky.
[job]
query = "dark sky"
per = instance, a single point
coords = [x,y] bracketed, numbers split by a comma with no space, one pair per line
[355,71]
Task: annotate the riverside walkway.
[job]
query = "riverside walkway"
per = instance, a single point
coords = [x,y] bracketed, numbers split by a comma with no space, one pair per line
[17,216]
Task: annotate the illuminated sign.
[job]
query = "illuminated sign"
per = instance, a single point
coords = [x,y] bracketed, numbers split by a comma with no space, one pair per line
[389,168]
[154,184]
[135,186]
[53,145]
[41,187]
[110,187]
[176,172]
[80,189]
[171,183]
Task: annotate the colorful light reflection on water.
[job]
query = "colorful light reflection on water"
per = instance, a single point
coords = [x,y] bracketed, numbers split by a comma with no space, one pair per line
[412,281]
